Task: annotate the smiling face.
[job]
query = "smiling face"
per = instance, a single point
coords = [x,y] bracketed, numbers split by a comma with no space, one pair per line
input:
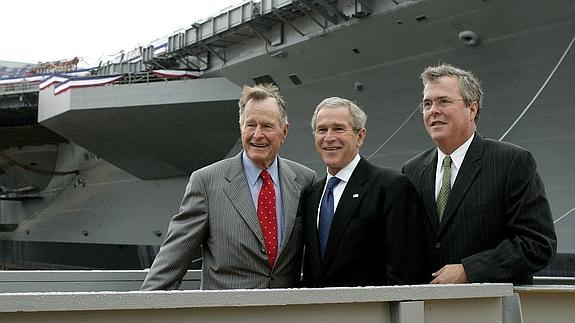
[335,140]
[262,132]
[449,126]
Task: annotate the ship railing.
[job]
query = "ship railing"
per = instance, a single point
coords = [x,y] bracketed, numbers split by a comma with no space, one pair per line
[206,40]
[548,280]
[18,88]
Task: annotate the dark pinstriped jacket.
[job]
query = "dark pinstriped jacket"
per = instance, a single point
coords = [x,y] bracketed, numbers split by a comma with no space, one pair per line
[497,221]
[376,237]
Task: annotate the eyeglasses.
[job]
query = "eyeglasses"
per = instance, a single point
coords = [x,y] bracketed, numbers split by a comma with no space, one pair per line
[336,130]
[442,103]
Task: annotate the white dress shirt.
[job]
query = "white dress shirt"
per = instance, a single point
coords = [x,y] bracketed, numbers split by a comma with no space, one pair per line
[344,175]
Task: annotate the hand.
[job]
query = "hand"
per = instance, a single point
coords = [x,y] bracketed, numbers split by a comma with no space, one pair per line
[450,274]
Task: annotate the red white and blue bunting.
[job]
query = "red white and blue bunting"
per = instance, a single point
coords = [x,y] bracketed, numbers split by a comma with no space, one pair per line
[85,82]
[175,73]
[54,79]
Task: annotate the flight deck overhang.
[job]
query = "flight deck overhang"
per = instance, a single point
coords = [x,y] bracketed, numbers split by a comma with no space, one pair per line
[151,130]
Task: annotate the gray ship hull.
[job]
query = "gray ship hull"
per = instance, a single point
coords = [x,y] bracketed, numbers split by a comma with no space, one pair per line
[120,200]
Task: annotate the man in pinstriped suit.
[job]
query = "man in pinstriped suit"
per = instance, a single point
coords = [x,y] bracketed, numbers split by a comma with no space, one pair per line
[218,211]
[496,225]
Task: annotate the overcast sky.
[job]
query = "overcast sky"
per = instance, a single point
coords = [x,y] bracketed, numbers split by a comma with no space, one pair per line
[49,30]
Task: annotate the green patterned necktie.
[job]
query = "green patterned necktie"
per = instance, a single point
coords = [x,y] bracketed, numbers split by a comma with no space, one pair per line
[445,187]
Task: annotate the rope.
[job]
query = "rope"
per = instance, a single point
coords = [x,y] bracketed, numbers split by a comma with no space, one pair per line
[564,215]
[541,89]
[393,134]
[35,170]
[535,98]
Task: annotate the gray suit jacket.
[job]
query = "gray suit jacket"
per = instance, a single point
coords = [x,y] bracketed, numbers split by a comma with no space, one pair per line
[497,221]
[218,213]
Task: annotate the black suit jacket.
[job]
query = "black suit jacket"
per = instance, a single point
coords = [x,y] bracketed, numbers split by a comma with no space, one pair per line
[497,221]
[376,236]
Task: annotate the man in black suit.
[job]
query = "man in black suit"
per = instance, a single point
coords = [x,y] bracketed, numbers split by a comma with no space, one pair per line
[488,218]
[375,235]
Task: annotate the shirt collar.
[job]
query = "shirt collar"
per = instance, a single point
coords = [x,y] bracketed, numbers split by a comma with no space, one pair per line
[458,155]
[345,173]
[253,172]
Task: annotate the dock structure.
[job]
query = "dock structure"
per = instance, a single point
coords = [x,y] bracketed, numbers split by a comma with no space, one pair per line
[426,303]
[113,296]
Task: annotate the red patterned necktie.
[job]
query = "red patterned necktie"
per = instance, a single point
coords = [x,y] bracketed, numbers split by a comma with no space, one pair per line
[267,215]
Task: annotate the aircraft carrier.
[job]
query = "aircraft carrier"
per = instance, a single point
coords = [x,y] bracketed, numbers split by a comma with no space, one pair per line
[93,166]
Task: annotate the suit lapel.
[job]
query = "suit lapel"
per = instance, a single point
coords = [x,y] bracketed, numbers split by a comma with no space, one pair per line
[239,194]
[291,192]
[348,203]
[311,218]
[465,177]
[428,192]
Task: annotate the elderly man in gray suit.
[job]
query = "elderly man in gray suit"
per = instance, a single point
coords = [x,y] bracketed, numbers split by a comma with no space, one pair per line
[242,211]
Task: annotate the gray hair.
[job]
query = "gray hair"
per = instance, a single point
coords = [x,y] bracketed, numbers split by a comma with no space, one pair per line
[469,84]
[260,92]
[357,116]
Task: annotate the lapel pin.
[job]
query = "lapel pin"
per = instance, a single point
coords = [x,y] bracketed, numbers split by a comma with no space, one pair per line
[355,195]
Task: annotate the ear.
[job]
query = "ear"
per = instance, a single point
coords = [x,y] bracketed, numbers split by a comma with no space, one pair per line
[473,107]
[285,130]
[361,137]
